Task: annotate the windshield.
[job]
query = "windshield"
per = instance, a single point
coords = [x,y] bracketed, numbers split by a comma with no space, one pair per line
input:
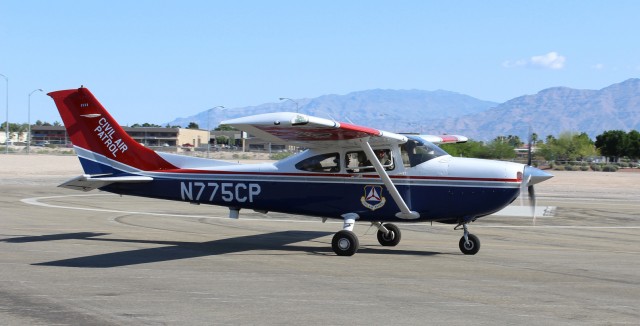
[417,151]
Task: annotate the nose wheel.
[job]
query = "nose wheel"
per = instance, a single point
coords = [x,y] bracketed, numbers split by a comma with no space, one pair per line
[388,234]
[469,244]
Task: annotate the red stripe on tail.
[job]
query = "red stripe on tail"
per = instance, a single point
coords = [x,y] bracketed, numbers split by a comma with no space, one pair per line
[92,128]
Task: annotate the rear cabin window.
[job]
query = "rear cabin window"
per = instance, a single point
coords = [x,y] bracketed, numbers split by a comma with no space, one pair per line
[357,161]
[320,163]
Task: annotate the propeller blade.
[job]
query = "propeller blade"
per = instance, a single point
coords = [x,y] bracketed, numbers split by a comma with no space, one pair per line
[532,202]
[529,149]
[531,177]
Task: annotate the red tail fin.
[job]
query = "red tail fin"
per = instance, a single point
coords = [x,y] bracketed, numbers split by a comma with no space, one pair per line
[92,128]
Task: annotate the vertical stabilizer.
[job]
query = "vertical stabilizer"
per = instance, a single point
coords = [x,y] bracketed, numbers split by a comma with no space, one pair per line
[101,144]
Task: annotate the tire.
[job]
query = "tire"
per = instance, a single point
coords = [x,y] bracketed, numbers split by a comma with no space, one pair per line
[472,247]
[392,238]
[345,243]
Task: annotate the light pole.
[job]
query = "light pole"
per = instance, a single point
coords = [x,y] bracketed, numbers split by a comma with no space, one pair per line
[6,127]
[29,120]
[209,127]
[288,99]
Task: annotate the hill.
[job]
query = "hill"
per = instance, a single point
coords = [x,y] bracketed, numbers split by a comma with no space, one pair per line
[399,110]
[555,110]
[549,112]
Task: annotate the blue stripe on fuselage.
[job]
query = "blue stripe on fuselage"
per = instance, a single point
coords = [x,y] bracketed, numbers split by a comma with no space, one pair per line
[327,199]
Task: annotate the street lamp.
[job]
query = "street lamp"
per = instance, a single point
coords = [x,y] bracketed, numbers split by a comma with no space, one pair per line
[29,119]
[209,127]
[6,127]
[288,99]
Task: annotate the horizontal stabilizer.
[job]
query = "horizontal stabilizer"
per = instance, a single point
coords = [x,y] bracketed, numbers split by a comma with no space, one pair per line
[87,182]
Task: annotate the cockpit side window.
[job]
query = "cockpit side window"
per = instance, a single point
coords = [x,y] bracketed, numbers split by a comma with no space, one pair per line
[415,152]
[357,161]
[329,162]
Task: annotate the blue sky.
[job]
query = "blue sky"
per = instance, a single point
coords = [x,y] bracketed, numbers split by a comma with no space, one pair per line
[153,61]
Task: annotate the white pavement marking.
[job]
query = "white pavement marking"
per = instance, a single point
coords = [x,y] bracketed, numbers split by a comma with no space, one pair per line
[36,201]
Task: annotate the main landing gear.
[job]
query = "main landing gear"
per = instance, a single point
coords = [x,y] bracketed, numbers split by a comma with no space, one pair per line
[345,242]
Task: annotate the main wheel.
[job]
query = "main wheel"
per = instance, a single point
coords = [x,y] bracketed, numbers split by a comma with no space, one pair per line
[390,239]
[345,243]
[471,247]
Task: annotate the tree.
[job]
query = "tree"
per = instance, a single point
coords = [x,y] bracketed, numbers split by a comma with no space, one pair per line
[225,128]
[568,147]
[499,149]
[193,125]
[222,140]
[612,143]
[534,138]
[549,139]
[145,125]
[633,144]
[469,149]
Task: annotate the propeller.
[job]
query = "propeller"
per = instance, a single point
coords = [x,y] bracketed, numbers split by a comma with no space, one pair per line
[532,176]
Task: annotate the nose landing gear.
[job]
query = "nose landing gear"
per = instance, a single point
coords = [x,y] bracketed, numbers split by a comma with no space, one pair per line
[388,234]
[469,244]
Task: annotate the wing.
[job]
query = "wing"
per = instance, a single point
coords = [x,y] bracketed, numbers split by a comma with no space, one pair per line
[444,139]
[308,131]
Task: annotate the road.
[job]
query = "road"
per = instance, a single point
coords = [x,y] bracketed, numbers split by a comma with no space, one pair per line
[72,258]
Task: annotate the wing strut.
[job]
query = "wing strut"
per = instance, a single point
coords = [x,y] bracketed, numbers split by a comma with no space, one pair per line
[405,212]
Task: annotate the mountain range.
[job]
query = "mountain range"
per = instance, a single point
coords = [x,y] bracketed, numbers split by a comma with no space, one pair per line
[549,112]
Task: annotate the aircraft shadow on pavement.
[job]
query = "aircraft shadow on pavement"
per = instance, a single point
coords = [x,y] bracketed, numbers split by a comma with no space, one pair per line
[175,250]
[53,237]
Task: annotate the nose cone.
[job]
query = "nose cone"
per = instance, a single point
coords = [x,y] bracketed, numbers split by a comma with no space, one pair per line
[535,175]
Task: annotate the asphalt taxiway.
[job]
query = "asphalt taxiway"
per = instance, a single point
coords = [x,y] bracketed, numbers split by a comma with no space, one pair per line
[73,258]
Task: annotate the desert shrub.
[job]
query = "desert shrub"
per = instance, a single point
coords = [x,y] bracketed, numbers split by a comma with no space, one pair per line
[584,168]
[596,167]
[559,167]
[609,168]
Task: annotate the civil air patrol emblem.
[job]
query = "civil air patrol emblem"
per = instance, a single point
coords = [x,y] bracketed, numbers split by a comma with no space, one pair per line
[373,198]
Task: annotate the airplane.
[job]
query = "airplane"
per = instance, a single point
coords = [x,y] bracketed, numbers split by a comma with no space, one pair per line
[347,172]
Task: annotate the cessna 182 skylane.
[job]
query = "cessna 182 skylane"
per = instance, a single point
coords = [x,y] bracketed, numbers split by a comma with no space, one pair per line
[348,172]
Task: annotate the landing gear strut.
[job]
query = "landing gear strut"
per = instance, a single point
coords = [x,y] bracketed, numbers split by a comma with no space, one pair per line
[469,244]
